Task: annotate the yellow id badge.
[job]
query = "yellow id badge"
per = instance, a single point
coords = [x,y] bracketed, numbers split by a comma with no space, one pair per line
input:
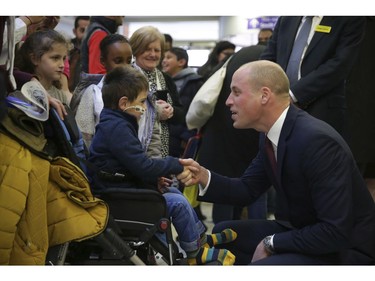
[323,28]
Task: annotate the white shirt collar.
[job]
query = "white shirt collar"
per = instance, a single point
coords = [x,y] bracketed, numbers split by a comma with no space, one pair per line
[274,133]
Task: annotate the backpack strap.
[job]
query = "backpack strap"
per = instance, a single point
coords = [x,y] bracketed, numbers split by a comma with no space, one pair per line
[61,137]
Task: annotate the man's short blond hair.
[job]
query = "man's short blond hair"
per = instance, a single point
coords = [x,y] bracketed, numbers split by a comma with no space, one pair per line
[264,73]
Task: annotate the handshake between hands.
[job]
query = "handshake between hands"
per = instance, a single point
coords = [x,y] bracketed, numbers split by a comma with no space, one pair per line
[192,174]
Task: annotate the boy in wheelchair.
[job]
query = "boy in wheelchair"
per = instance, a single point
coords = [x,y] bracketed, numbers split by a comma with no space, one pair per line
[121,162]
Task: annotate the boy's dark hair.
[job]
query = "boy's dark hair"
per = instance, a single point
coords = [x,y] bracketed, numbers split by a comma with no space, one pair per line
[168,38]
[123,81]
[77,19]
[180,54]
[109,40]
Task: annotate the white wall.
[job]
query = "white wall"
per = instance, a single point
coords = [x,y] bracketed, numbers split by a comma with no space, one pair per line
[198,34]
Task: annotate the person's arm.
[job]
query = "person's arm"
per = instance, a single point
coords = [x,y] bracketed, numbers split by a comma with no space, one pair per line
[200,174]
[58,105]
[225,190]
[20,29]
[203,188]
[264,249]
[95,66]
[164,110]
[55,103]
[134,159]
[327,170]
[65,87]
[331,66]
[85,116]
[21,24]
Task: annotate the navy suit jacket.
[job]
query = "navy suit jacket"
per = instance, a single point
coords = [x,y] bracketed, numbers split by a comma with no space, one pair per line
[320,190]
[326,65]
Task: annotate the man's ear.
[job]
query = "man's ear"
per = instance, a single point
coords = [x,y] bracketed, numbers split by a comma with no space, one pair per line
[265,94]
[123,103]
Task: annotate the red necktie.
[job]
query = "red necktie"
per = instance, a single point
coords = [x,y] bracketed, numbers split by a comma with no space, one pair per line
[270,154]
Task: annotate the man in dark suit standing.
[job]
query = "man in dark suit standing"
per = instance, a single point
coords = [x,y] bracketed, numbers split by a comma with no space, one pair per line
[331,49]
[324,212]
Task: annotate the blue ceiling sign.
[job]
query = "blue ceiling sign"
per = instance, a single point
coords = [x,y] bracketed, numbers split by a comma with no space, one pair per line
[262,22]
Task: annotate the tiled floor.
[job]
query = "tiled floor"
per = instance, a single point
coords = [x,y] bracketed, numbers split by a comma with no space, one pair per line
[207,211]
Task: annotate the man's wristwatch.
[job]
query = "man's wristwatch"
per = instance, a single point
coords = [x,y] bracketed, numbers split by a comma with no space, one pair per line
[268,245]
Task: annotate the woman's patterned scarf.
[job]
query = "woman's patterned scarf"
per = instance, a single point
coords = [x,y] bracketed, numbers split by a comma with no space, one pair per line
[146,124]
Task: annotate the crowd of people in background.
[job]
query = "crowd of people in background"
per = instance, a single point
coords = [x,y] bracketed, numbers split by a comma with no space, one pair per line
[315,207]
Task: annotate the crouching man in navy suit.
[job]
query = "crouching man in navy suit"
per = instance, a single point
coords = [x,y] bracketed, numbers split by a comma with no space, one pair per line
[324,211]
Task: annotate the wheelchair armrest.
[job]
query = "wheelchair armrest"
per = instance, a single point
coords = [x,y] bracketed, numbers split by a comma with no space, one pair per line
[143,206]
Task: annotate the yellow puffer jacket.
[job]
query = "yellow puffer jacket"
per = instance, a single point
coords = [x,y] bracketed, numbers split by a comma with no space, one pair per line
[42,203]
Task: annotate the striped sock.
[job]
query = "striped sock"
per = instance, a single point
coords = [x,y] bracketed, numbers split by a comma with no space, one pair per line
[207,255]
[226,236]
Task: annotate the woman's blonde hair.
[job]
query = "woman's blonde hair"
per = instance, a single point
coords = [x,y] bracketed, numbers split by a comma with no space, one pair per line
[143,37]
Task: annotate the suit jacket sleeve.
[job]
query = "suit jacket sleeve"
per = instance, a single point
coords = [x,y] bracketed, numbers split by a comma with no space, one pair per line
[322,206]
[239,191]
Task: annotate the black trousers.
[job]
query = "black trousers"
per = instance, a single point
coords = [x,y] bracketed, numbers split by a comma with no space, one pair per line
[251,232]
